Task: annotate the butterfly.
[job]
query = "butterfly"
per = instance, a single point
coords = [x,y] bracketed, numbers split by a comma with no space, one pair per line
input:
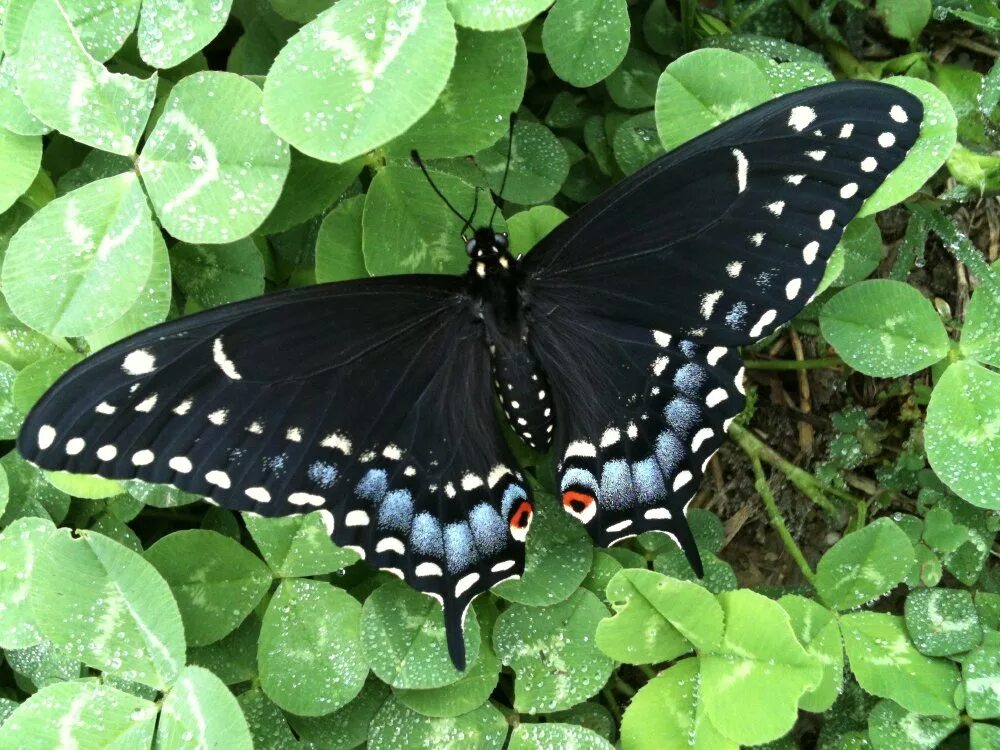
[379,402]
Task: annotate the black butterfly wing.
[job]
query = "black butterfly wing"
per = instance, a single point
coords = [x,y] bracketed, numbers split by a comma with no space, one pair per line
[369,400]
[726,237]
[638,301]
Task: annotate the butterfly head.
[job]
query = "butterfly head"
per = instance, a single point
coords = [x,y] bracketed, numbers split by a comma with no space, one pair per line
[487,243]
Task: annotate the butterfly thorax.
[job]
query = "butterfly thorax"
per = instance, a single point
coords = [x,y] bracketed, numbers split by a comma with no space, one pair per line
[495,283]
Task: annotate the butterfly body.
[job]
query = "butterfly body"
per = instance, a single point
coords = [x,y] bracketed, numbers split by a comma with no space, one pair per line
[374,401]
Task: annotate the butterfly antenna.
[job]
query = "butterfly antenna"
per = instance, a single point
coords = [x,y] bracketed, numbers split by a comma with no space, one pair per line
[419,162]
[475,205]
[506,169]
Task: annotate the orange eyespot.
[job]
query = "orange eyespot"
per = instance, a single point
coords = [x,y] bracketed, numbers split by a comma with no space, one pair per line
[520,522]
[579,504]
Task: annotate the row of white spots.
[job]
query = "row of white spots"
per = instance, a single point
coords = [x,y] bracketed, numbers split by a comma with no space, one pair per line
[225,364]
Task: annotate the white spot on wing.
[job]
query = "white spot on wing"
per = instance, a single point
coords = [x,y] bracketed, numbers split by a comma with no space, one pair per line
[898,114]
[849,190]
[792,288]
[816,155]
[734,268]
[465,583]
[425,569]
[809,252]
[390,544]
[681,479]
[46,435]
[107,452]
[826,218]
[105,408]
[620,526]
[305,498]
[294,434]
[715,354]
[657,514]
[660,364]
[581,448]
[610,437]
[471,482]
[183,407]
[258,494]
[765,320]
[497,473]
[219,479]
[75,446]
[869,164]
[742,168]
[337,441]
[356,518]
[661,338]
[501,566]
[757,239]
[146,405]
[846,130]
[716,397]
[180,464]
[328,520]
[776,208]
[708,302]
[700,437]
[142,458]
[218,417]
[139,362]
[225,364]
[794,179]
[801,117]
[886,140]
[392,452]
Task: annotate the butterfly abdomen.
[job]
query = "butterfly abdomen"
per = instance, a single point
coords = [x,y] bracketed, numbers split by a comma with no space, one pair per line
[523,392]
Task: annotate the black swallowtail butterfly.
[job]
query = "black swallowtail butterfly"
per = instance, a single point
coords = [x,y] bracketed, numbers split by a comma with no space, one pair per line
[614,340]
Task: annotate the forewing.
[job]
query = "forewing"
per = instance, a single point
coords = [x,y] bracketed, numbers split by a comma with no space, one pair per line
[368,400]
[727,237]
[639,414]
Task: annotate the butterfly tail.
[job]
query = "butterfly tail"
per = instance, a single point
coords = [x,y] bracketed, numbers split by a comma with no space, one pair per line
[454,617]
[688,545]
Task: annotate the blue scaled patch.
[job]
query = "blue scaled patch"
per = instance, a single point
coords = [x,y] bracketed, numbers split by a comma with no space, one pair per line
[682,414]
[616,485]
[323,474]
[458,549]
[396,511]
[648,481]
[488,529]
[425,535]
[734,318]
[581,477]
[690,378]
[669,452]
[373,485]
[511,495]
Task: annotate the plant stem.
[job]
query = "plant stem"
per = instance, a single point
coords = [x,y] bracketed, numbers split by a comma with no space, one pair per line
[778,522]
[647,670]
[609,697]
[792,364]
[957,244]
[803,480]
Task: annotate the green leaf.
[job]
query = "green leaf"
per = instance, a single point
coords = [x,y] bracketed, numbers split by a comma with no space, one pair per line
[170,32]
[553,735]
[395,726]
[81,714]
[152,306]
[864,565]
[719,575]
[108,607]
[212,275]
[590,715]
[527,228]
[884,328]
[984,736]
[66,88]
[91,251]
[311,188]
[668,713]
[980,335]
[752,683]
[538,164]
[14,113]
[346,728]
[158,495]
[857,254]
[409,229]
[486,85]
[21,156]
[339,250]
[213,169]
[35,379]
[495,15]
[886,664]
[557,558]
[816,628]
[657,618]
[199,711]
[334,90]
[585,40]
[310,655]
[43,664]
[20,345]
[633,84]
[981,675]
[892,727]
[266,722]
[553,652]
[904,19]
[234,658]
[80,485]
[30,494]
[636,143]
[962,434]
[216,581]
[102,28]
[938,133]
[703,89]
[21,543]
[297,545]
[471,691]
[403,634]
[942,622]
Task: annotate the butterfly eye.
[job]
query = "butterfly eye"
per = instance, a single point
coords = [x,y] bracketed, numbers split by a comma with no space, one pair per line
[501,240]
[470,247]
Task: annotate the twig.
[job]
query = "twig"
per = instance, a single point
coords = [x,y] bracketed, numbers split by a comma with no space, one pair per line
[803,480]
[975,46]
[806,434]
[778,522]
